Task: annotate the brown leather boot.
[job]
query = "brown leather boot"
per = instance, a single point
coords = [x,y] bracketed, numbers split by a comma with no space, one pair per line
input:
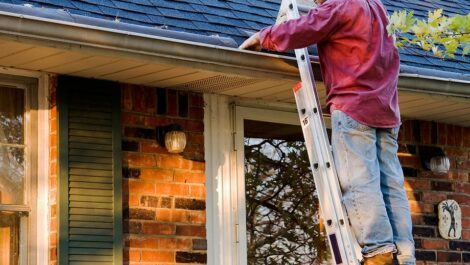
[381,259]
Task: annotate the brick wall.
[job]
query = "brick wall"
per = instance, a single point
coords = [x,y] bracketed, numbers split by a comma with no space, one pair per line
[163,193]
[426,190]
[53,171]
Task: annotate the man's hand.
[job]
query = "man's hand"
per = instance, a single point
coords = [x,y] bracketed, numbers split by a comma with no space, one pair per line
[252,43]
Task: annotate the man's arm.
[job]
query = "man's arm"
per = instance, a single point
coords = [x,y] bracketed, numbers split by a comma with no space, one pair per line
[315,27]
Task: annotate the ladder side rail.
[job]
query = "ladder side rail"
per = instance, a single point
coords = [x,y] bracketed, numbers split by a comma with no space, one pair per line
[325,167]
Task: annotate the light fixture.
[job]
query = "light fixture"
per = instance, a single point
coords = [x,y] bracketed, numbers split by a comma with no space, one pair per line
[434,159]
[439,164]
[172,137]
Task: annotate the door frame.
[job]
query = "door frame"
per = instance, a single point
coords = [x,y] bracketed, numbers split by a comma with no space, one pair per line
[256,114]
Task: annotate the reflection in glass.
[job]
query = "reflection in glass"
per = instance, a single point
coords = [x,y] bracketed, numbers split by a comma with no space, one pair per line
[282,211]
[11,175]
[9,238]
[11,115]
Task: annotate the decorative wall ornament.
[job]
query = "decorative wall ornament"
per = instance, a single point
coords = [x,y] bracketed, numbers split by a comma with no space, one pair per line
[450,219]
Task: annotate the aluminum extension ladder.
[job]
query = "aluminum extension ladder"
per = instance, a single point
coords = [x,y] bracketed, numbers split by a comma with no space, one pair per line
[343,244]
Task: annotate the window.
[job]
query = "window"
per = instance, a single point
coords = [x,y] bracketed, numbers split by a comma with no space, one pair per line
[242,227]
[278,211]
[17,170]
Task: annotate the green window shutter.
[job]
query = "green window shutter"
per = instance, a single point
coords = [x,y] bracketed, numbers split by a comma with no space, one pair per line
[90,181]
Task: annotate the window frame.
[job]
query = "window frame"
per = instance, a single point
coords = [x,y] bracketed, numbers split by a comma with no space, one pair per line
[28,239]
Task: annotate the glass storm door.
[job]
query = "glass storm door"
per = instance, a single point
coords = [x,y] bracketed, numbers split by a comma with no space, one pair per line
[278,211]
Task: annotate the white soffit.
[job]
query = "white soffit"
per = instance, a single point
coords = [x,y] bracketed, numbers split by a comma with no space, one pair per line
[29,56]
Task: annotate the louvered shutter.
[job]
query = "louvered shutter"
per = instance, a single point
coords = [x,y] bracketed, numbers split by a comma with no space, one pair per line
[90,181]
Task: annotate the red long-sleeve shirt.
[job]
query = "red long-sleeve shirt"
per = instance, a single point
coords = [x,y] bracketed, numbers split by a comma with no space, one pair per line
[359,62]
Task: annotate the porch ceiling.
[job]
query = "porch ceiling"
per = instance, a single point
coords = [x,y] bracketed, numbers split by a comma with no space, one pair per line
[161,73]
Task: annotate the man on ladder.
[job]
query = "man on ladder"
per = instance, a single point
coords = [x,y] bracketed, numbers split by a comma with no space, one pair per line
[360,67]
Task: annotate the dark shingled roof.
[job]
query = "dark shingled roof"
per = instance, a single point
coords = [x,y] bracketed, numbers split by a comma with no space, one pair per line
[237,19]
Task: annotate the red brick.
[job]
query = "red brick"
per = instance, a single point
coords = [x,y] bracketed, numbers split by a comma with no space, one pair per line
[191,230]
[417,207]
[172,103]
[158,256]
[456,153]
[199,166]
[150,243]
[460,198]
[160,175]
[198,217]
[173,189]
[139,99]
[466,137]
[188,177]
[126,97]
[133,227]
[133,243]
[416,184]
[197,191]
[410,160]
[164,215]
[459,136]
[174,243]
[186,164]
[181,216]
[196,113]
[466,234]
[451,135]
[465,222]
[131,119]
[196,139]
[433,197]
[137,187]
[426,127]
[435,244]
[194,126]
[130,200]
[169,162]
[465,210]
[138,160]
[158,229]
[449,257]
[151,147]
[196,100]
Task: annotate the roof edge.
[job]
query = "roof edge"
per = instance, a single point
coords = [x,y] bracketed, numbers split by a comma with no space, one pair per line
[67,17]
[61,30]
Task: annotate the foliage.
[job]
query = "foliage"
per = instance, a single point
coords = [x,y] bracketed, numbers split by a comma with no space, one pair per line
[281,205]
[440,34]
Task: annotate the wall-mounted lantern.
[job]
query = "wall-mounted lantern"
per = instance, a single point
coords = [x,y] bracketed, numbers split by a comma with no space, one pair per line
[439,164]
[172,137]
[434,159]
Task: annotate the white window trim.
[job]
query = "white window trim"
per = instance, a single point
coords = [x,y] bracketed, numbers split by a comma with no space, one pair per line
[39,249]
[225,176]
[242,114]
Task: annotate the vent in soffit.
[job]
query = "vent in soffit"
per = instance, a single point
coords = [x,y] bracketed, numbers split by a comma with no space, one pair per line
[216,84]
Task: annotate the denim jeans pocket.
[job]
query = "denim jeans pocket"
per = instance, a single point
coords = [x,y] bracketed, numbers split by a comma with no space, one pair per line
[347,122]
[394,132]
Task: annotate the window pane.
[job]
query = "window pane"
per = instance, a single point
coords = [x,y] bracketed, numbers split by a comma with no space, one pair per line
[11,115]
[282,211]
[9,238]
[11,175]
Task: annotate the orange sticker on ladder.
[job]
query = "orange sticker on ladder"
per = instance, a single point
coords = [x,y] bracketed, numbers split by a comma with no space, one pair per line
[297,87]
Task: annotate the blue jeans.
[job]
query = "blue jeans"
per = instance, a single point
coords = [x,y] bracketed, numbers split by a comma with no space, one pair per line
[372,183]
